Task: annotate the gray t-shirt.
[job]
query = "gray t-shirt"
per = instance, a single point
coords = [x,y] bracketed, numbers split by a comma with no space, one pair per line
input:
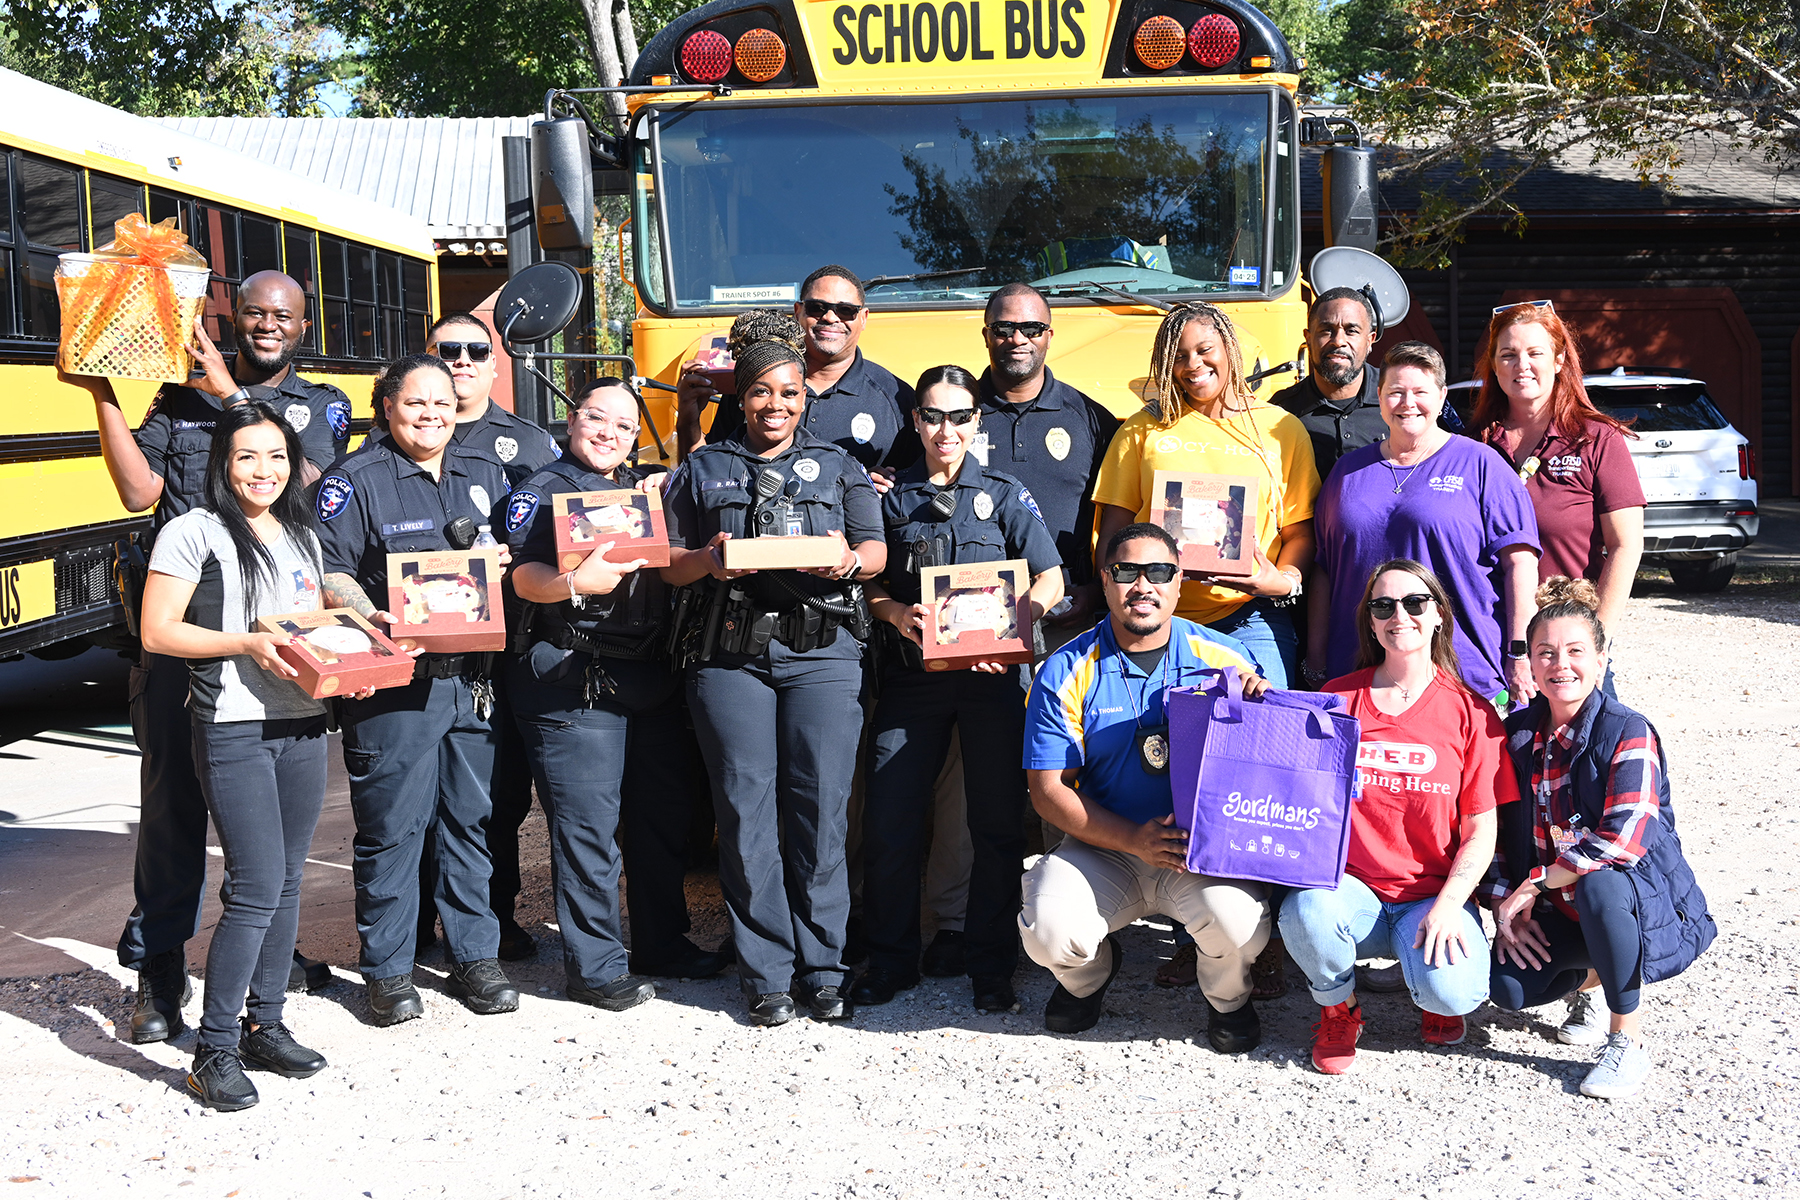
[197,547]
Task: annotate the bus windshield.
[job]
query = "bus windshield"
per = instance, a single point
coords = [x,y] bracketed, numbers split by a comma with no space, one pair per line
[1159,194]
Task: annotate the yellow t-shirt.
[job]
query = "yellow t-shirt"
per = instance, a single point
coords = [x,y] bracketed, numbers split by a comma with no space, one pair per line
[1265,442]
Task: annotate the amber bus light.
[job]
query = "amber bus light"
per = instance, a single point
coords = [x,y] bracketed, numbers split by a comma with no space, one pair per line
[1159,43]
[760,55]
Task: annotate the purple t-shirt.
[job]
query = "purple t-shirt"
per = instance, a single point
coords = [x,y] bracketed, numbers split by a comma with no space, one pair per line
[1455,512]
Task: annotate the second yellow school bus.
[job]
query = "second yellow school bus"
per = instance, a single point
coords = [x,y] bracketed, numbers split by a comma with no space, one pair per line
[1109,152]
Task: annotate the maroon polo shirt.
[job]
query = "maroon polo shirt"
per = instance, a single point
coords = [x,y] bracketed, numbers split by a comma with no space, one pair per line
[1572,487]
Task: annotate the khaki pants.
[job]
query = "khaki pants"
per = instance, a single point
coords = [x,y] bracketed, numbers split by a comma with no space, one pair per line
[1077,894]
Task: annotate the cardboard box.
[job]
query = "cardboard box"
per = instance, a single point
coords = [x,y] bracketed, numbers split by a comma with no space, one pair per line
[337,652]
[782,553]
[1213,517]
[632,520]
[977,613]
[447,601]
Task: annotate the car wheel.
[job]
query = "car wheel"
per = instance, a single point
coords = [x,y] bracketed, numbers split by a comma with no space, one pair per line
[1704,575]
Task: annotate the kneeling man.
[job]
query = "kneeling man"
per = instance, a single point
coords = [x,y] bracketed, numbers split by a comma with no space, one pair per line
[1097,754]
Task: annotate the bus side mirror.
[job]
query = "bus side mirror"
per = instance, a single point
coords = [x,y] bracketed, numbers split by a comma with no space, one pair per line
[562,184]
[1350,194]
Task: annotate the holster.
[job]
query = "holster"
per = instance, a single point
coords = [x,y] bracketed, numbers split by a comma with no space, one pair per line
[131,571]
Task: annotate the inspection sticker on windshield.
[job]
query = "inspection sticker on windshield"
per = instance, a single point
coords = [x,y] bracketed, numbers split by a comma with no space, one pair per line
[1249,275]
[768,293]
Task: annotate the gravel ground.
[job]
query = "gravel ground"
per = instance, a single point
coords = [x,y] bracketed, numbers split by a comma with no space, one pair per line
[924,1097]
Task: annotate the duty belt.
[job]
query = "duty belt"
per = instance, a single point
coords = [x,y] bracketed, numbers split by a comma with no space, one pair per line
[566,637]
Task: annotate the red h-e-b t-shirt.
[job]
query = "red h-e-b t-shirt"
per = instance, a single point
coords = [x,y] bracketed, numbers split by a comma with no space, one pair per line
[1421,772]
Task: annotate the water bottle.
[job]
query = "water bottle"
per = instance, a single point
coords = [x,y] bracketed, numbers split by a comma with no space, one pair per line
[484,537]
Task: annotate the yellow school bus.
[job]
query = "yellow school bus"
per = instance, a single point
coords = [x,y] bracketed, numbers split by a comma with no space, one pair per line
[69,168]
[1113,153]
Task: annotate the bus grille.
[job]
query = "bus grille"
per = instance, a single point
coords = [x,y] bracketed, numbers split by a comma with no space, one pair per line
[83,578]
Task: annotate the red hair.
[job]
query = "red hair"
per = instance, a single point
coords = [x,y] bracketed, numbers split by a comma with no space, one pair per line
[1570,408]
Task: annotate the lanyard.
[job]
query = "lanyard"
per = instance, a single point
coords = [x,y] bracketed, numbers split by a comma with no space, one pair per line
[1141,701]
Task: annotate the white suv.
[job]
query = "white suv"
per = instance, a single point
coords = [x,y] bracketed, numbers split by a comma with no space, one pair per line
[1698,472]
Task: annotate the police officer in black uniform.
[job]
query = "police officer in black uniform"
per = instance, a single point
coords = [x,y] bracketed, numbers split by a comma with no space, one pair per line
[600,711]
[1046,434]
[774,691]
[421,756]
[948,510]
[165,465]
[854,403]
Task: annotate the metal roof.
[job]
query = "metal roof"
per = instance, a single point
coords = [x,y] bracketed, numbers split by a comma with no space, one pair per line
[445,171]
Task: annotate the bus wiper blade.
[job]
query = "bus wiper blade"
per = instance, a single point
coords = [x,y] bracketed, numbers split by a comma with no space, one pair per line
[921,275]
[1118,293]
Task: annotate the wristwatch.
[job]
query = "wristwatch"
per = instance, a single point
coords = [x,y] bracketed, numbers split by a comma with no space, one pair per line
[1517,649]
[1540,879]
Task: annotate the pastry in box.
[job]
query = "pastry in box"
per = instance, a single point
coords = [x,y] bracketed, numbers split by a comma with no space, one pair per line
[976,613]
[1212,517]
[631,520]
[337,652]
[447,601]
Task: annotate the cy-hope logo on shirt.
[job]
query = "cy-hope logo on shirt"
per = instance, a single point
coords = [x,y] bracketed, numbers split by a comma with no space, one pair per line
[1172,443]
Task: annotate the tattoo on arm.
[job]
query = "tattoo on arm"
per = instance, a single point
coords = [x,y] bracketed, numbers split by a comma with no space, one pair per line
[342,591]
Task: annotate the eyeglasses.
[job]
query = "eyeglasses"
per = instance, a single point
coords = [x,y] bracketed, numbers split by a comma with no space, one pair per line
[625,429]
[1031,329]
[1124,572]
[816,309]
[933,417]
[1382,607]
[451,351]
[1525,304]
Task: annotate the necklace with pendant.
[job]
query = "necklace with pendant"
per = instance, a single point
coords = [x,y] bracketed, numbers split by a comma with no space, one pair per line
[1398,481]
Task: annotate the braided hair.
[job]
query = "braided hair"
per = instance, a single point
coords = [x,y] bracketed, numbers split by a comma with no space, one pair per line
[763,324]
[759,358]
[1170,401]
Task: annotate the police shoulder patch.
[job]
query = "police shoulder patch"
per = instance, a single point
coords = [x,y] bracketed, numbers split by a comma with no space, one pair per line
[1028,502]
[337,415]
[334,496]
[519,510]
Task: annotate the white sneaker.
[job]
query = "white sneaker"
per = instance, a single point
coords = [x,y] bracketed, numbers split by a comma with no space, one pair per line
[1621,1071]
[1587,1021]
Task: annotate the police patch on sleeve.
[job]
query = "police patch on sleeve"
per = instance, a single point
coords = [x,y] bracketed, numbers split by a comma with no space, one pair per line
[519,510]
[299,416]
[334,495]
[1028,502]
[337,415]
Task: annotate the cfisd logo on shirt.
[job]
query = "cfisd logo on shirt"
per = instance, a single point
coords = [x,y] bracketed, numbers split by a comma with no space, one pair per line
[1447,484]
[1563,464]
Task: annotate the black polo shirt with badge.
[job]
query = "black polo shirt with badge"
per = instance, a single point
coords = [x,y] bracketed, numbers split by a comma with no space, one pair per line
[177,433]
[1336,426]
[509,441]
[1053,445]
[991,521]
[867,413]
[378,502]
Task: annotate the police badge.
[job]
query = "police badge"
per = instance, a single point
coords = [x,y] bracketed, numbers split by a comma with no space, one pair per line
[506,449]
[1153,749]
[1058,443]
[299,416]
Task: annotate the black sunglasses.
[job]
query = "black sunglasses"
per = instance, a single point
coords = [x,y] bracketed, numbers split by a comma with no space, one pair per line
[1031,329]
[818,308]
[1124,572]
[933,417]
[1382,607]
[451,351]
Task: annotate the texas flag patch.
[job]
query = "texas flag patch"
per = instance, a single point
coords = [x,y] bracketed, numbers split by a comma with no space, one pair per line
[519,510]
[334,493]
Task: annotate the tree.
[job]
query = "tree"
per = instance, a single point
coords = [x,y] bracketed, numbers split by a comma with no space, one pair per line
[155,57]
[1476,94]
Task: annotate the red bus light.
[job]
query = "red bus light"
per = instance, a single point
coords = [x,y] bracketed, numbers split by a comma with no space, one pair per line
[1213,41]
[1160,42]
[760,55]
[706,56]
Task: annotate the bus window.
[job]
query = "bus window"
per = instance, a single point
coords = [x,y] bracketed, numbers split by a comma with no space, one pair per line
[299,261]
[393,319]
[362,297]
[334,298]
[418,304]
[108,200]
[49,218]
[216,238]
[163,206]
[262,248]
[6,245]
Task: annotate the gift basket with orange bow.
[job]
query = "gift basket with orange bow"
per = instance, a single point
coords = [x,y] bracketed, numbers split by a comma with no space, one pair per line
[128,308]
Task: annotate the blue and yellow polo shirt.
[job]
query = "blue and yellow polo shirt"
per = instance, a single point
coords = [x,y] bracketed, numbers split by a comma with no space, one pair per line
[1081,712]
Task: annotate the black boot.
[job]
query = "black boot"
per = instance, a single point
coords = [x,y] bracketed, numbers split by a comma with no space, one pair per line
[218,1080]
[482,987]
[163,987]
[308,974]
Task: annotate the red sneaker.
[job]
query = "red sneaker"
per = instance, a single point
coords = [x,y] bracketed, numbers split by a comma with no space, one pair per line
[1335,1037]
[1442,1031]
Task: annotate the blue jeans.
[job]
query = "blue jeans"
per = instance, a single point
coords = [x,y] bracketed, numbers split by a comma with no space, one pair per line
[1268,633]
[1326,932]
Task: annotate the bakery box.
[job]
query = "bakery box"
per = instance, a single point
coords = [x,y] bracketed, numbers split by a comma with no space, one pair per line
[782,553]
[631,520]
[976,613]
[1212,517]
[447,601]
[337,652]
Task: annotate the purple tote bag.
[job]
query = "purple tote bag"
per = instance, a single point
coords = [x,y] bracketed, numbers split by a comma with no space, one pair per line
[1263,787]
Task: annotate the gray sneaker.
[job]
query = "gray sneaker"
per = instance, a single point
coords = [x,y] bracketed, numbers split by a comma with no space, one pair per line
[1621,1071]
[1587,1021]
